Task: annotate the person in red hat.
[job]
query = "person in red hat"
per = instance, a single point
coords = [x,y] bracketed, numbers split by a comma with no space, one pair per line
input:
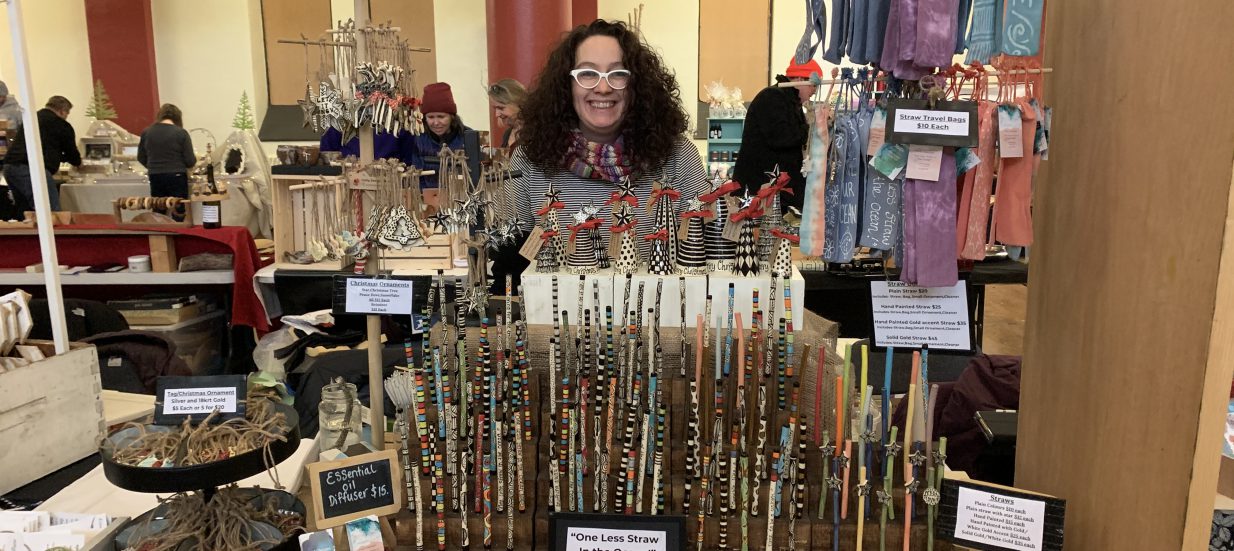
[775,134]
[443,127]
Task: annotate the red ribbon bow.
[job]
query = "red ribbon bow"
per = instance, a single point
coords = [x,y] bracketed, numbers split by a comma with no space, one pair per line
[671,193]
[592,224]
[783,235]
[780,184]
[617,197]
[554,205]
[662,234]
[548,235]
[696,214]
[728,187]
[622,228]
[754,210]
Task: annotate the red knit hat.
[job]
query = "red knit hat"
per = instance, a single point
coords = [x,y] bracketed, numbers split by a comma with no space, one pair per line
[439,99]
[794,70]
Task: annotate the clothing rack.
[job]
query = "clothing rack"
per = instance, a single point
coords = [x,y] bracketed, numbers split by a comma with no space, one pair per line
[797,83]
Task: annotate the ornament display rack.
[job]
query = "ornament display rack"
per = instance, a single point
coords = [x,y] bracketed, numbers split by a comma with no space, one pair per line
[292,210]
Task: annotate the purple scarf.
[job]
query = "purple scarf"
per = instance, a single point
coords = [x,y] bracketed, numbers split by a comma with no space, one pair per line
[598,161]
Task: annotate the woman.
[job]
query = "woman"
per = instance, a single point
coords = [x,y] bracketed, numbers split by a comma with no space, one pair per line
[444,128]
[507,96]
[166,150]
[605,109]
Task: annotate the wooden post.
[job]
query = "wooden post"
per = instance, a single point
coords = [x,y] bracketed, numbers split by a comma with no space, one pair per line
[38,181]
[376,390]
[1129,345]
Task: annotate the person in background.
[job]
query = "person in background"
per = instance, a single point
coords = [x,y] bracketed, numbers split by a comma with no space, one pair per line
[775,133]
[166,150]
[59,145]
[507,96]
[443,127]
[385,144]
[10,110]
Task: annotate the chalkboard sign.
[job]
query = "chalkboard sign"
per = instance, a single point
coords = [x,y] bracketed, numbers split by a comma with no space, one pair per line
[997,518]
[355,487]
[195,398]
[599,532]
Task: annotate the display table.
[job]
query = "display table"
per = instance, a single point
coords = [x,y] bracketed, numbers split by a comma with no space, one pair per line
[103,244]
[121,407]
[97,198]
[298,282]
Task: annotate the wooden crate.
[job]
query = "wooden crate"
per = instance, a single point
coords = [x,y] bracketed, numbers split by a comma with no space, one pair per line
[292,211]
[51,414]
[436,253]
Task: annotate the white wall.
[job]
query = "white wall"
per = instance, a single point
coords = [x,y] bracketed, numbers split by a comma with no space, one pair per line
[462,56]
[672,29]
[207,57]
[59,55]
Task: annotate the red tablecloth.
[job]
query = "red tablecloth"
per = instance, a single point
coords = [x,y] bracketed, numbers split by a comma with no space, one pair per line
[89,250]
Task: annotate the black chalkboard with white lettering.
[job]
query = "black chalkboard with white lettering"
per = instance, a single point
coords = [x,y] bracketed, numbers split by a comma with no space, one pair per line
[355,487]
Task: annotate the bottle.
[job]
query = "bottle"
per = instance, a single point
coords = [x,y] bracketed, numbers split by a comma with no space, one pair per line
[211,211]
[339,416]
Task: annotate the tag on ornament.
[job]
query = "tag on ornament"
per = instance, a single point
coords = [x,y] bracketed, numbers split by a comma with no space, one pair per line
[1010,132]
[531,247]
[570,247]
[614,244]
[878,131]
[732,231]
[651,204]
[683,229]
[890,160]
[924,162]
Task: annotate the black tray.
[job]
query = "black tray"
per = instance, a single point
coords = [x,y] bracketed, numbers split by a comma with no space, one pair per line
[290,544]
[209,475]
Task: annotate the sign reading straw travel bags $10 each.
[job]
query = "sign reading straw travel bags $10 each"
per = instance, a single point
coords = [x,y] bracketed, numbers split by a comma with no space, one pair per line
[948,123]
[990,517]
[355,487]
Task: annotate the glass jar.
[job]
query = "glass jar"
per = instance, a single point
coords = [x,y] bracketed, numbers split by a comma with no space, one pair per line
[339,416]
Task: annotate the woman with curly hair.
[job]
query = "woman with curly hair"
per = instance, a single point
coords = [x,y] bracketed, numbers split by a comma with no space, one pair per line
[605,108]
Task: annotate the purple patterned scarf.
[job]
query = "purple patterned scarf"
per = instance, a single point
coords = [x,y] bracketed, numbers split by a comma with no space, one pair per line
[598,161]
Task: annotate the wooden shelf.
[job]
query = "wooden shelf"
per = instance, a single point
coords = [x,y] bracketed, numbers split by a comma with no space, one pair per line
[208,277]
[724,141]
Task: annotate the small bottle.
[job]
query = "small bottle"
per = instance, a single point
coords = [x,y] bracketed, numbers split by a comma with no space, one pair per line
[211,211]
[339,416]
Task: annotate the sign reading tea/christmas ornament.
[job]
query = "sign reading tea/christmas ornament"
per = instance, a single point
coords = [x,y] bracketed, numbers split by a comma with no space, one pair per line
[195,398]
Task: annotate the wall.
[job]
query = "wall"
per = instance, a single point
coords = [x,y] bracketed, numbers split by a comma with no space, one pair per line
[672,29]
[462,56]
[207,57]
[59,55]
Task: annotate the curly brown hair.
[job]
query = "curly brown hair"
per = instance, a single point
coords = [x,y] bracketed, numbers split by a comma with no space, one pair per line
[654,119]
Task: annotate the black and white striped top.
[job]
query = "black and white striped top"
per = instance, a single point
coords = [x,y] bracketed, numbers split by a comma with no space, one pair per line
[684,169]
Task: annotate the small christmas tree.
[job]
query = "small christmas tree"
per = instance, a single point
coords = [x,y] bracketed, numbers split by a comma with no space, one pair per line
[244,114]
[583,258]
[747,256]
[773,217]
[659,263]
[100,108]
[552,253]
[782,266]
[720,251]
[665,201]
[623,231]
[691,253]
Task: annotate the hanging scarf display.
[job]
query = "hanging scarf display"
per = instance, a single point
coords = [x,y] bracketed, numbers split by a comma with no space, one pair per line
[974,205]
[880,202]
[1013,222]
[812,215]
[843,192]
[983,32]
[840,27]
[936,24]
[929,228]
[598,161]
[1021,28]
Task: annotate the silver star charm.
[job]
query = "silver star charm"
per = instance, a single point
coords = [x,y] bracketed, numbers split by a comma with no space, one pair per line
[892,450]
[917,458]
[827,450]
[746,200]
[591,210]
[773,174]
[912,486]
[868,437]
[883,497]
[940,458]
[695,204]
[478,299]
[580,216]
[834,482]
[844,460]
[931,497]
[863,490]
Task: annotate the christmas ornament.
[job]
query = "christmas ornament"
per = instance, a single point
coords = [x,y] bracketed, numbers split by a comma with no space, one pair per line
[720,251]
[583,258]
[747,260]
[692,252]
[782,266]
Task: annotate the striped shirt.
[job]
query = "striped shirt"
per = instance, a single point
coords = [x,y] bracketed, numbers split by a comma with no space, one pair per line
[684,169]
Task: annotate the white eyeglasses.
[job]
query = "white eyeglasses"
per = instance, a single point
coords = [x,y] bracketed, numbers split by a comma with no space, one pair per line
[617,79]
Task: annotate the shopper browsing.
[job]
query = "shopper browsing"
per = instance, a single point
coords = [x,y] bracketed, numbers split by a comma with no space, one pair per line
[775,134]
[605,108]
[10,110]
[166,150]
[385,144]
[506,96]
[59,145]
[443,127]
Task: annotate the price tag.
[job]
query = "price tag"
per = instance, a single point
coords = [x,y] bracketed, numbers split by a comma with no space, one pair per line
[924,162]
[597,532]
[1010,132]
[999,518]
[195,398]
[356,487]
[532,246]
[910,316]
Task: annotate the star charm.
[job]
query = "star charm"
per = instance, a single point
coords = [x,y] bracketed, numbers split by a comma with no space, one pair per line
[591,210]
[746,200]
[834,482]
[626,187]
[892,450]
[844,460]
[931,497]
[553,194]
[694,204]
[477,300]
[883,497]
[917,458]
[827,450]
[438,220]
[940,458]
[581,216]
[912,486]
[773,174]
[868,437]
[863,490]
[622,217]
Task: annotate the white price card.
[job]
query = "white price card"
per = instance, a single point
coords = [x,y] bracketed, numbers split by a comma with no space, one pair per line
[1004,522]
[378,296]
[910,316]
[615,539]
[196,401]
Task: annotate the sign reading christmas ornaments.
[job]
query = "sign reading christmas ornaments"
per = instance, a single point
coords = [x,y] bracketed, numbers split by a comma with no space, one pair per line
[372,295]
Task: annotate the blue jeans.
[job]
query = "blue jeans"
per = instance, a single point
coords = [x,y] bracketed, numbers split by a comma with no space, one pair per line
[18,178]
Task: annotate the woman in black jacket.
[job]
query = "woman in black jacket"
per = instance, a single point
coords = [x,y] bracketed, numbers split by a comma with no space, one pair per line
[775,134]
